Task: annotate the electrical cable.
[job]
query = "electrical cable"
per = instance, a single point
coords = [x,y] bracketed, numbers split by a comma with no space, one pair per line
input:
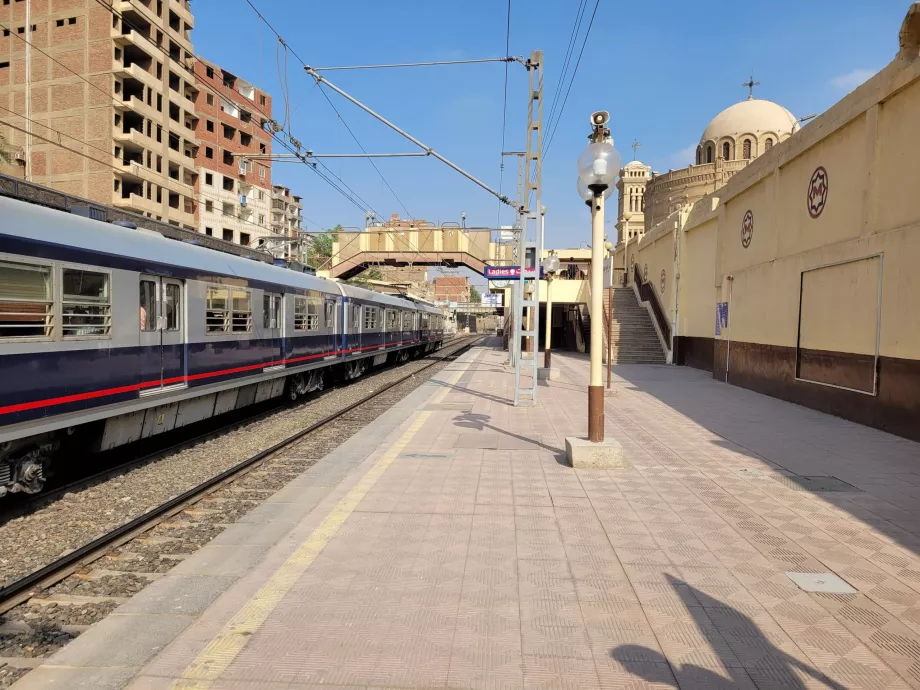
[501,167]
[572,81]
[570,48]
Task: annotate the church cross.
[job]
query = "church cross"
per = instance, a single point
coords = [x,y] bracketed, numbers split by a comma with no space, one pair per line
[751,84]
[635,145]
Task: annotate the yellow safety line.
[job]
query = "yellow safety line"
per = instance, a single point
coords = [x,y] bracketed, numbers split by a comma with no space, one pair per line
[223,649]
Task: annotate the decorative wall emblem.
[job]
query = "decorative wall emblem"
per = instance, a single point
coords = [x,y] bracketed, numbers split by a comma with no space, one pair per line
[817,192]
[664,280]
[747,229]
[645,273]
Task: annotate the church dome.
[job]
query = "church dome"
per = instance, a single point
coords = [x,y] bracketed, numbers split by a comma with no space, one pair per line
[753,116]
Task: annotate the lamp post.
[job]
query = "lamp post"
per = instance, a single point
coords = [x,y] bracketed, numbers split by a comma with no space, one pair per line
[598,166]
[609,247]
[550,268]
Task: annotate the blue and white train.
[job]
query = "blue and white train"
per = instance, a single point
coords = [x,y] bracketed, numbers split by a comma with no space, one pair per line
[110,335]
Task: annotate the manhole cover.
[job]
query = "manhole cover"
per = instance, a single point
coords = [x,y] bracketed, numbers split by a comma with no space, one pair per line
[821,582]
[799,483]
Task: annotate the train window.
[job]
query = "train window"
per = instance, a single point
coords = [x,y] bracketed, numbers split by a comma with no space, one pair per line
[172,303]
[86,308]
[26,302]
[407,321]
[216,311]
[148,306]
[300,313]
[370,318]
[356,317]
[391,319]
[271,311]
[241,318]
[330,314]
[424,321]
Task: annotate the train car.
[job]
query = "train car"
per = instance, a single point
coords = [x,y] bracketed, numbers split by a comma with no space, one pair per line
[109,335]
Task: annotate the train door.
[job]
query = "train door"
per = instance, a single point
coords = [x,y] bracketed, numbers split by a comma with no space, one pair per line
[162,332]
[271,314]
[331,325]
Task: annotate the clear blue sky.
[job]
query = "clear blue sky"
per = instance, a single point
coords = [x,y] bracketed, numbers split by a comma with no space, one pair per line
[662,68]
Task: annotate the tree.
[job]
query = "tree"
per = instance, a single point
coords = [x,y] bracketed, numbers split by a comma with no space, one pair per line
[319,251]
[474,294]
[366,275]
[4,152]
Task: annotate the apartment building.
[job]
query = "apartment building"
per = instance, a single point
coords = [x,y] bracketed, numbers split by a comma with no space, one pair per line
[112,110]
[234,172]
[287,212]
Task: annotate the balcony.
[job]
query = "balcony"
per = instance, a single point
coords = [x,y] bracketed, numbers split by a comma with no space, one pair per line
[123,6]
[182,8]
[136,203]
[133,170]
[136,39]
[136,105]
[137,72]
[133,138]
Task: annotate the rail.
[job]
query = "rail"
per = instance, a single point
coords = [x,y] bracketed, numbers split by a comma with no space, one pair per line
[25,588]
[647,294]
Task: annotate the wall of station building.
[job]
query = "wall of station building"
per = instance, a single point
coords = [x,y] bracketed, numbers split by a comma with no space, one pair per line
[813,249]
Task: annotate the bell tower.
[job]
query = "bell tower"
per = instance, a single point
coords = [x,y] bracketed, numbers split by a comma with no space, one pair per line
[634,176]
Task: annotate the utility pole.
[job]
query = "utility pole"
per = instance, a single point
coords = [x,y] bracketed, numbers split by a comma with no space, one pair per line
[530,245]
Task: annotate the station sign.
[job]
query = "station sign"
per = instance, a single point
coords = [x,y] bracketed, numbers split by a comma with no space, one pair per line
[505,272]
[492,299]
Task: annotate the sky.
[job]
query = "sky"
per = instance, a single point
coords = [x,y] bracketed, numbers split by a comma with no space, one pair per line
[662,68]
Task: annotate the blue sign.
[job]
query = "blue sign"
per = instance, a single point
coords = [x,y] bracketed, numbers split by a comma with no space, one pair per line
[505,272]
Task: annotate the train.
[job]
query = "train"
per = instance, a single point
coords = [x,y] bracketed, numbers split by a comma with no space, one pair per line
[110,335]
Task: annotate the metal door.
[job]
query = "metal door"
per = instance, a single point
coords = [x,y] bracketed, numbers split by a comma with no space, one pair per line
[331,325]
[162,333]
[271,327]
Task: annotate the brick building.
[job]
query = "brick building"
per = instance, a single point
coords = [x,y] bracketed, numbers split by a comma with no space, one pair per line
[452,289]
[235,191]
[119,94]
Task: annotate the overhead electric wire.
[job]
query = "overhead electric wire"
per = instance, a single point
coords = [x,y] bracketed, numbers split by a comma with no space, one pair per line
[572,81]
[570,48]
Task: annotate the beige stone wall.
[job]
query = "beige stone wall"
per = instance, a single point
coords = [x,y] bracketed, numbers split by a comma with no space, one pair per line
[869,144]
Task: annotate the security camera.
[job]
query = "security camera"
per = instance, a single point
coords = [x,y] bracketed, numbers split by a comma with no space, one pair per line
[600,118]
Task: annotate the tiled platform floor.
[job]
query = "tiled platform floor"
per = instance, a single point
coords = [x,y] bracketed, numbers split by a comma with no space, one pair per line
[463,553]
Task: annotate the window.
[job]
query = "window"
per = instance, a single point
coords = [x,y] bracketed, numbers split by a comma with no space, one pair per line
[306,313]
[746,149]
[208,152]
[261,219]
[210,99]
[59,22]
[216,312]
[228,235]
[407,321]
[209,179]
[228,209]
[768,144]
[209,125]
[261,172]
[709,154]
[330,314]
[209,231]
[699,155]
[261,99]
[391,319]
[423,321]
[241,318]
[172,302]
[271,311]
[71,21]
[26,301]
[209,206]
[370,318]
[86,309]
[228,183]
[148,298]
[355,317]
[244,239]
[209,72]
[4,65]
[726,151]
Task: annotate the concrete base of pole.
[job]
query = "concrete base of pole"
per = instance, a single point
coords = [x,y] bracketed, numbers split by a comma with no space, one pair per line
[583,454]
[545,374]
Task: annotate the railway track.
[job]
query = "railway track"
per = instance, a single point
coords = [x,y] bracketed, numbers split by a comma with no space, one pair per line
[136,552]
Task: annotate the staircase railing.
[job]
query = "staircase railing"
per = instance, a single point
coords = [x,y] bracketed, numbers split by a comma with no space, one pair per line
[648,294]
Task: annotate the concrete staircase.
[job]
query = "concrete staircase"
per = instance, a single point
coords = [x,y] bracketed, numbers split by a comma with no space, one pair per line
[635,340]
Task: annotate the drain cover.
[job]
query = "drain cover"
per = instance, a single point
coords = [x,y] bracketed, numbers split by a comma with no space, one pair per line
[799,483]
[821,582]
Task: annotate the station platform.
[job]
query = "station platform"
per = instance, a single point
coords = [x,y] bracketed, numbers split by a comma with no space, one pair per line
[746,543]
